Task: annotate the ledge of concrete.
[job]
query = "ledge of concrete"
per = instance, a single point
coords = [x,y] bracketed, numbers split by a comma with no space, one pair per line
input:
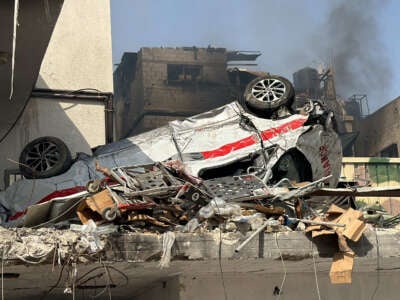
[196,266]
[140,247]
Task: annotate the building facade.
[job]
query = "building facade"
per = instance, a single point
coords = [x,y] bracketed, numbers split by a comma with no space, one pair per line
[61,96]
[158,85]
[380,132]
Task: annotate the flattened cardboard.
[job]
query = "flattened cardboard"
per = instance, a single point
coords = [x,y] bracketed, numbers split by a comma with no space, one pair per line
[314,227]
[334,209]
[354,226]
[341,268]
[355,230]
[322,232]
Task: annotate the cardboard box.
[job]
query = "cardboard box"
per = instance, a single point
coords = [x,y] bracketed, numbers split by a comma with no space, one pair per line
[341,268]
[354,226]
[92,206]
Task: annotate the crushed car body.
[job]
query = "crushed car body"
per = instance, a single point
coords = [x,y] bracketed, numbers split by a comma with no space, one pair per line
[227,141]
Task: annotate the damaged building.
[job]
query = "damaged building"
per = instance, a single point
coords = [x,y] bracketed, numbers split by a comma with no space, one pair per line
[54,97]
[379,132]
[158,85]
[217,186]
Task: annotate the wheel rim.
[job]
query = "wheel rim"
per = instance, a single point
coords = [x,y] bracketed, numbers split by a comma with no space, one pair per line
[110,214]
[42,156]
[268,90]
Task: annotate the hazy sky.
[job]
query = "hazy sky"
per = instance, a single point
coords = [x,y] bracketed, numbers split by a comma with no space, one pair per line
[362,34]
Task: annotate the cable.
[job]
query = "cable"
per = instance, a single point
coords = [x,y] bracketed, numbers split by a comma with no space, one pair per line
[15,122]
[109,280]
[220,256]
[93,277]
[283,265]
[2,275]
[220,263]
[315,272]
[14,39]
[58,280]
[26,103]
[378,278]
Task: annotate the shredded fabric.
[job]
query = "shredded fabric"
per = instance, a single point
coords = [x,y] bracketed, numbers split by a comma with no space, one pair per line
[168,239]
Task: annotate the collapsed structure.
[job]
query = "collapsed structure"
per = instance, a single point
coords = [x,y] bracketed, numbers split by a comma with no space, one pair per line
[232,173]
[240,199]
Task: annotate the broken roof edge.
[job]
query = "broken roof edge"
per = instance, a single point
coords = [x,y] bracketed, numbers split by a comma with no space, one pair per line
[232,55]
[247,71]
[204,246]
[185,48]
[242,55]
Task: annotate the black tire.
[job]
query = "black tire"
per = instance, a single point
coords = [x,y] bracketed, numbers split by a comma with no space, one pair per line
[268,93]
[44,157]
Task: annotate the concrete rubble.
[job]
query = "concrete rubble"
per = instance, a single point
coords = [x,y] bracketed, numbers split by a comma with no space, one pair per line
[161,212]
[221,192]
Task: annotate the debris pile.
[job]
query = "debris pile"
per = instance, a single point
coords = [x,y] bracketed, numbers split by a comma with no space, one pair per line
[346,224]
[164,197]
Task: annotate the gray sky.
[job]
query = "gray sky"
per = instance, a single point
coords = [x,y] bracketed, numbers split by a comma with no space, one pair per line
[360,36]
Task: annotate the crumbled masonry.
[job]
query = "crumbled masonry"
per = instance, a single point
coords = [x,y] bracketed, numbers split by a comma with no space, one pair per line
[159,198]
[228,202]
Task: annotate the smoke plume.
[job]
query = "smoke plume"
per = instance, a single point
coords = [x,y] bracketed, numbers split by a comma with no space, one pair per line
[351,38]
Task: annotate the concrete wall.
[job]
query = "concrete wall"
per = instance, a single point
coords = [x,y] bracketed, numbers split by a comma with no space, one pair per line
[78,57]
[300,286]
[168,289]
[376,172]
[79,52]
[36,21]
[149,122]
[379,130]
[159,94]
[195,270]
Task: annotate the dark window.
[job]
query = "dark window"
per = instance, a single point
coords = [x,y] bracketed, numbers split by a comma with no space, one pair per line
[390,151]
[184,73]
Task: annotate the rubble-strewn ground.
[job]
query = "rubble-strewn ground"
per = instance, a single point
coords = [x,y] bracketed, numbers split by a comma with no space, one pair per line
[132,262]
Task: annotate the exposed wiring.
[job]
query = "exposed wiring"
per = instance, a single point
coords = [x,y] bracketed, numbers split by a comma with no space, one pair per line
[80,282]
[378,269]
[220,263]
[15,122]
[87,90]
[247,124]
[58,280]
[14,39]
[283,265]
[2,275]
[220,257]
[315,272]
[74,273]
[26,103]
[109,281]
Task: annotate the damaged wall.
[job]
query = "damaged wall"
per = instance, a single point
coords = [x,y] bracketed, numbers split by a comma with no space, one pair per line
[376,172]
[379,131]
[75,59]
[168,84]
